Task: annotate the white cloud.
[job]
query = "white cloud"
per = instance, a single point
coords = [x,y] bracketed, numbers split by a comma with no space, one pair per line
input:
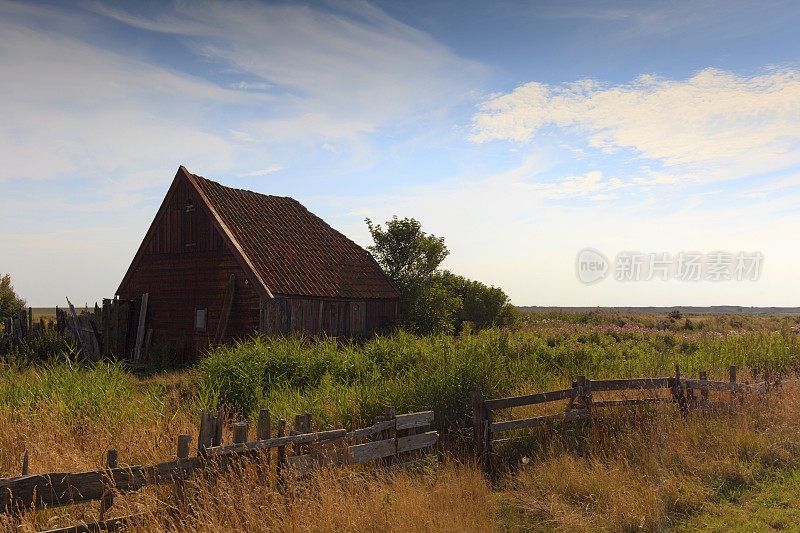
[254,86]
[513,237]
[714,125]
[576,186]
[269,170]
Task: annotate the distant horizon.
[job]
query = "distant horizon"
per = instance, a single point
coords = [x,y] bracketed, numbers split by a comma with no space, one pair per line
[690,308]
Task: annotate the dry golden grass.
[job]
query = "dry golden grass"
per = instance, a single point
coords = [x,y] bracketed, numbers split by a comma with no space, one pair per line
[646,471]
[642,470]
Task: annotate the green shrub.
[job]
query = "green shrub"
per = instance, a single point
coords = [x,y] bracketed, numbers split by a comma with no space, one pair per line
[47,344]
[231,376]
[11,304]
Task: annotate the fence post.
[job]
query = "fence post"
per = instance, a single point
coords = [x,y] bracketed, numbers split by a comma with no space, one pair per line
[677,390]
[486,455]
[704,391]
[584,394]
[184,441]
[219,423]
[478,409]
[390,433]
[264,429]
[240,431]
[281,449]
[206,434]
[302,424]
[108,497]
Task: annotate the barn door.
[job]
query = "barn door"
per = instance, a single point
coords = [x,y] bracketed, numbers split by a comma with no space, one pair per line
[358,313]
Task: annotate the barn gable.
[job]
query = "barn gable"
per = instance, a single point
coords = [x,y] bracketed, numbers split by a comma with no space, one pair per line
[219,262]
[284,248]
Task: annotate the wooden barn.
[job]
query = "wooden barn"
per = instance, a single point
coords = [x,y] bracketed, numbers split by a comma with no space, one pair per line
[219,263]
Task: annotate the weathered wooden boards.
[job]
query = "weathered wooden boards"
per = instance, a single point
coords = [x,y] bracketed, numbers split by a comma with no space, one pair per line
[532,399]
[580,404]
[50,490]
[140,330]
[521,423]
[227,305]
[370,451]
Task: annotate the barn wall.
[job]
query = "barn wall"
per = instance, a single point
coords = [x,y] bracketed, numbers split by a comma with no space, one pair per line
[285,315]
[186,267]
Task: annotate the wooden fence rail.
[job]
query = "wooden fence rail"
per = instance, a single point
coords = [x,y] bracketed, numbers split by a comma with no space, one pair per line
[312,450]
[580,404]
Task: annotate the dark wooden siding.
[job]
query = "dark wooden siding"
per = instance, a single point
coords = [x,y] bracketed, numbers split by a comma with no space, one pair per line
[186,267]
[285,315]
[179,286]
[185,227]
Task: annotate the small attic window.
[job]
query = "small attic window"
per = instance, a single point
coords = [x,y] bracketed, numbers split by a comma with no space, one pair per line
[189,208]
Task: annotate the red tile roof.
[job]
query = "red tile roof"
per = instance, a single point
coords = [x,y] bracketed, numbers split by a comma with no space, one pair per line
[294,251]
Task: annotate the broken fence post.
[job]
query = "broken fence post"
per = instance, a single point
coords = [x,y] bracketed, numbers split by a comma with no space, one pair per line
[108,496]
[184,442]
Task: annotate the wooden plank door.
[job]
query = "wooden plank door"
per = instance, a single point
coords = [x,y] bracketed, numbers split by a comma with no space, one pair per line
[358,320]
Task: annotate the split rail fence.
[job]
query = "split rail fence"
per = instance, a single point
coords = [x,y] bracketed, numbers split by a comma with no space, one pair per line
[580,404]
[296,454]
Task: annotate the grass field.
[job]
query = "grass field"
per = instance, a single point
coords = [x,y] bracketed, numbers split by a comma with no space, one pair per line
[644,471]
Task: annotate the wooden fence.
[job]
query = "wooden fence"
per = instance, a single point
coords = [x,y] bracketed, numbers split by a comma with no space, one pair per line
[114,331]
[296,453]
[580,404]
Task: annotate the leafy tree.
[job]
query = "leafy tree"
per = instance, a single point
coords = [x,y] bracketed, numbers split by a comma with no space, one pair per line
[10,303]
[433,301]
[429,306]
[481,305]
[405,252]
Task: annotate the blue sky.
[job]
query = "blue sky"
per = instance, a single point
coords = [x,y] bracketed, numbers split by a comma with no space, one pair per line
[522,132]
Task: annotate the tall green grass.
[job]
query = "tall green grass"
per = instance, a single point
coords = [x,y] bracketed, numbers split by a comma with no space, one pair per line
[346,384]
[73,392]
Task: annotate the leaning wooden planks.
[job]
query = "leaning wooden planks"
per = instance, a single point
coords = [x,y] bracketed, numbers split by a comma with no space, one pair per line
[569,416]
[531,399]
[632,402]
[303,438]
[400,422]
[362,453]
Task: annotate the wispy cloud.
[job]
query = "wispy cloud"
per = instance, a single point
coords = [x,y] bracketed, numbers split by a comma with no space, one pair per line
[269,170]
[589,184]
[347,69]
[71,108]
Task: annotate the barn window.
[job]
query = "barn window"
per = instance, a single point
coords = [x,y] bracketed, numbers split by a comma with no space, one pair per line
[200,320]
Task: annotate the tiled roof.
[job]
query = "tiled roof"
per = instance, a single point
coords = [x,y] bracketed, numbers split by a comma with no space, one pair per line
[294,251]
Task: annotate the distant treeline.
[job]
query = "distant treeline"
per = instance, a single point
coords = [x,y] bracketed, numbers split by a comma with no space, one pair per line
[714,309]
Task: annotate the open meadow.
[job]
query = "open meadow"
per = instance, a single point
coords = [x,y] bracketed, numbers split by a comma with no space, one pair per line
[647,469]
